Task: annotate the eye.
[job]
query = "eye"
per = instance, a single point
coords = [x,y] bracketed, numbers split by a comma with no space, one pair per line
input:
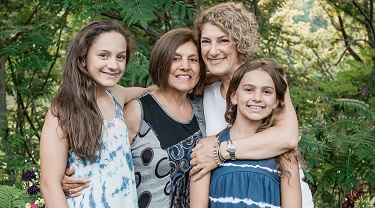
[249,89]
[121,57]
[205,42]
[103,55]
[176,58]
[193,60]
[268,91]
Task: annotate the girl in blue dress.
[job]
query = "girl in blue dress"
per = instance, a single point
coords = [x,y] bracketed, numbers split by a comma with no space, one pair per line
[85,128]
[255,97]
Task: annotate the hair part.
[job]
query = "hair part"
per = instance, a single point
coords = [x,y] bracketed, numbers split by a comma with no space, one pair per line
[240,25]
[163,53]
[75,104]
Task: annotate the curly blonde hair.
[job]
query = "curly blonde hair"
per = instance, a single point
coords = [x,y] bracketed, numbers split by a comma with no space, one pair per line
[240,24]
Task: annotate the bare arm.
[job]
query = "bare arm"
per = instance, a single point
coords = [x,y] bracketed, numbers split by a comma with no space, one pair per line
[290,187]
[125,95]
[53,158]
[266,144]
[199,192]
[132,116]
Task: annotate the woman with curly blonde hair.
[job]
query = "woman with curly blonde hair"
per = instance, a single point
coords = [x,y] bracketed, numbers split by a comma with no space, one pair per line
[228,36]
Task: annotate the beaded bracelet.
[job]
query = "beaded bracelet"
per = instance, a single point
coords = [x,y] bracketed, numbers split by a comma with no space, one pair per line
[221,157]
[216,158]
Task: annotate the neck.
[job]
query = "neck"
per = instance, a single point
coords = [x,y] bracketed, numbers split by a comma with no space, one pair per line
[244,127]
[178,99]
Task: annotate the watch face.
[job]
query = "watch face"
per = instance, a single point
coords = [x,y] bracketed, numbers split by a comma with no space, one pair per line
[231,148]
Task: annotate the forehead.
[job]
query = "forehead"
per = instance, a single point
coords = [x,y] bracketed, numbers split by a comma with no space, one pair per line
[210,29]
[259,78]
[187,48]
[111,40]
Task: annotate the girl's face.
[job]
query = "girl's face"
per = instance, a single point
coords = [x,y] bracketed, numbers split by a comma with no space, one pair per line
[184,71]
[255,96]
[219,52]
[106,59]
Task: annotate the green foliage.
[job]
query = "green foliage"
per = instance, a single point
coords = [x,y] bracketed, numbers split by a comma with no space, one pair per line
[11,197]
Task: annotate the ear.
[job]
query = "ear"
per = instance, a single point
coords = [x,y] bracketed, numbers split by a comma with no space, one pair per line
[233,98]
[83,62]
[276,104]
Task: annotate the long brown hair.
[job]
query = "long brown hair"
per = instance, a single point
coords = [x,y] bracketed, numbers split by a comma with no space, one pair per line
[277,73]
[75,104]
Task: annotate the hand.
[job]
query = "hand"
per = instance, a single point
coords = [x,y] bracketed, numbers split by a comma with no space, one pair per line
[203,158]
[72,186]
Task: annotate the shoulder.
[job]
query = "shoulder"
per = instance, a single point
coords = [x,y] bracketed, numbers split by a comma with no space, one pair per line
[119,92]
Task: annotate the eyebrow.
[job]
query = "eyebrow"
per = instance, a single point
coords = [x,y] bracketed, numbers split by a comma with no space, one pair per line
[190,55]
[223,36]
[263,87]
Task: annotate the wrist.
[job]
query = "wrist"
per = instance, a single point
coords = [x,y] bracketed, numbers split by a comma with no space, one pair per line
[224,152]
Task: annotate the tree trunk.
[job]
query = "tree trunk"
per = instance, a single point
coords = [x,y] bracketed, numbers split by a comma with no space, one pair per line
[3,106]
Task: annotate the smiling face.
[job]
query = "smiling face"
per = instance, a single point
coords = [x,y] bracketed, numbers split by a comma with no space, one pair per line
[106,59]
[184,70]
[219,52]
[255,96]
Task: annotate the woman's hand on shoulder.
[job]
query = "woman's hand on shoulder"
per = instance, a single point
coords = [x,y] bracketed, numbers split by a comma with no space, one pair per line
[203,157]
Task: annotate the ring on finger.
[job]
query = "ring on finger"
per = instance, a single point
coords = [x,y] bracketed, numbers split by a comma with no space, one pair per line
[70,192]
[196,168]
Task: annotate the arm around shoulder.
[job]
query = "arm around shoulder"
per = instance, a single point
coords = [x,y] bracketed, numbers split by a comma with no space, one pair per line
[53,158]
[271,142]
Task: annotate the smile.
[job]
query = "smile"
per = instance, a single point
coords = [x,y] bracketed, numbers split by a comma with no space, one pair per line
[255,107]
[110,74]
[216,61]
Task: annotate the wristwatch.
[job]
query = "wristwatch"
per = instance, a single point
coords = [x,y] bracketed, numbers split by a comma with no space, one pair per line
[231,149]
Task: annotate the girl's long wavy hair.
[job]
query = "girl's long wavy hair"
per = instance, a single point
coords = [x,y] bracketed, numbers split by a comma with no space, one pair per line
[277,74]
[75,104]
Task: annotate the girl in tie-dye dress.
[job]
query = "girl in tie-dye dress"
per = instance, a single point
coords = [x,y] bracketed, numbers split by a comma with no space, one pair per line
[255,96]
[85,128]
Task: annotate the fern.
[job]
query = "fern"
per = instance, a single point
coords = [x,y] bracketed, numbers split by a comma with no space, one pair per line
[11,197]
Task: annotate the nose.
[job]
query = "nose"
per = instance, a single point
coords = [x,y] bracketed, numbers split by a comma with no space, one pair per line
[214,50]
[112,63]
[185,65]
[257,96]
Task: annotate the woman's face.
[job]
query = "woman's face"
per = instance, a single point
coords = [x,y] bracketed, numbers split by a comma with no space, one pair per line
[184,71]
[219,52]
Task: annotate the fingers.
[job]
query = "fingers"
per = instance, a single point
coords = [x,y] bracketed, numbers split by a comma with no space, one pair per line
[199,174]
[74,183]
[69,171]
[74,192]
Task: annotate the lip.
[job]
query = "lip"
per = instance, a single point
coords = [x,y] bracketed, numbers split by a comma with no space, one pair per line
[183,77]
[215,61]
[109,74]
[255,107]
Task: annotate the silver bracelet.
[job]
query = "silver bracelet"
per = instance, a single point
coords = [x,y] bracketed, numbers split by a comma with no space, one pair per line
[216,158]
[221,157]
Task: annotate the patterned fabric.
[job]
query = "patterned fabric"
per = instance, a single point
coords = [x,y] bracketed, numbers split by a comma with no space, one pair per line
[112,174]
[161,154]
[245,183]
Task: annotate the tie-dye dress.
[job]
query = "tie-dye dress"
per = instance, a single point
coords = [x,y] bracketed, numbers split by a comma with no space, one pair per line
[112,174]
[245,183]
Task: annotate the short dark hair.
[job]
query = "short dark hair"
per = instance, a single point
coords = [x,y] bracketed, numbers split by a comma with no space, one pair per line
[165,50]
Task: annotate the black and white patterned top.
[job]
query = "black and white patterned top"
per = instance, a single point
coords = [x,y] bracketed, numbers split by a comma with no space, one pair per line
[161,153]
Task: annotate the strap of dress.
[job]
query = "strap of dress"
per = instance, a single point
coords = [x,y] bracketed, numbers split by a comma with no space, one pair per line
[224,135]
[197,104]
[117,105]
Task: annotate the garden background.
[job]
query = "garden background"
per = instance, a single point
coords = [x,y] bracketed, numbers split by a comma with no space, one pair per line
[326,46]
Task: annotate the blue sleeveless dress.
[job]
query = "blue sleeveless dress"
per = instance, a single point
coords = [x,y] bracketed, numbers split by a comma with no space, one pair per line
[112,174]
[245,183]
